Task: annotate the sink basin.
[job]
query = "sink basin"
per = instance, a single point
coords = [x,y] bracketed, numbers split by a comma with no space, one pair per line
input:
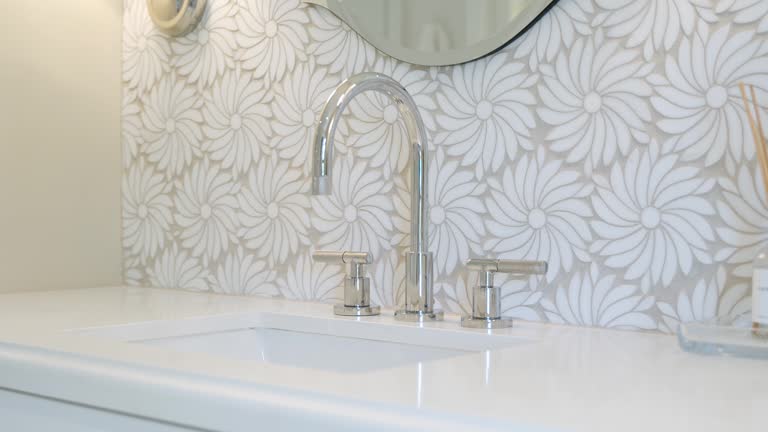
[307,350]
[336,344]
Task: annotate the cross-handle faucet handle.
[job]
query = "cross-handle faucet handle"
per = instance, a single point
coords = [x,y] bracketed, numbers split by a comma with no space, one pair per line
[486,297]
[357,286]
[515,267]
[345,257]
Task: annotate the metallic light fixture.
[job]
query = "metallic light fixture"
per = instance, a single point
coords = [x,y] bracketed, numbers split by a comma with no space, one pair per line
[176,17]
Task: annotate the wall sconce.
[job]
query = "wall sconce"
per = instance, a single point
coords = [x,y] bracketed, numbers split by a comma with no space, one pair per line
[176,17]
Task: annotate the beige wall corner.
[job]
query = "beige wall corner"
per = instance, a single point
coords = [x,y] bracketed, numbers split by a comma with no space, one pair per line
[59,144]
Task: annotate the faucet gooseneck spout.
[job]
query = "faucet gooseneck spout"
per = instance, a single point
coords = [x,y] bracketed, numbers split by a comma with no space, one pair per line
[419,295]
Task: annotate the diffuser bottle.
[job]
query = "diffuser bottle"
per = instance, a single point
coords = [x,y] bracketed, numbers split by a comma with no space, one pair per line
[760,293]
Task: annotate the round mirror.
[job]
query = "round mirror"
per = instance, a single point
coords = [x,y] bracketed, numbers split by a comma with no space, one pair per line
[176,17]
[438,32]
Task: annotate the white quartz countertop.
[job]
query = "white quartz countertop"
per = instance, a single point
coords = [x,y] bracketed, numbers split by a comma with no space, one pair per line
[566,379]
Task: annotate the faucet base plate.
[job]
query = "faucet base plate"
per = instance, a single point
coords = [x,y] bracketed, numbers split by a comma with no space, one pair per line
[485,323]
[419,316]
[358,311]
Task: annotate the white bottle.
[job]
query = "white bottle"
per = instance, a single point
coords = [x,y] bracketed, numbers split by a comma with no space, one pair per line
[760,290]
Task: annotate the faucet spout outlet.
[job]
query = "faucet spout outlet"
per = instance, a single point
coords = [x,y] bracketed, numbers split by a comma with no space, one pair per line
[321,185]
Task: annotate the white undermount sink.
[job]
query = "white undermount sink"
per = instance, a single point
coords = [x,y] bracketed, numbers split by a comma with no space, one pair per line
[307,350]
[333,344]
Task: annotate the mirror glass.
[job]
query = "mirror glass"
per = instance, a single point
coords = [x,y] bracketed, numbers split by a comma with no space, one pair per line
[438,32]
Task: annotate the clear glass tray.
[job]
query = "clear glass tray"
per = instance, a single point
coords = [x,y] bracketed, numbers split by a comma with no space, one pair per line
[729,335]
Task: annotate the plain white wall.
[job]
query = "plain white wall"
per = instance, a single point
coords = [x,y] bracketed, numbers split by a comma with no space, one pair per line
[59,143]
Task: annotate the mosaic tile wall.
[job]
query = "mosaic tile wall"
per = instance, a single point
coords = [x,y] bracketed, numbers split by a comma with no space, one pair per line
[609,140]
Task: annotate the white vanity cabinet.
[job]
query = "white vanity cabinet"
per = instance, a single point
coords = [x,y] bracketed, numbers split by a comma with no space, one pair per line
[23,412]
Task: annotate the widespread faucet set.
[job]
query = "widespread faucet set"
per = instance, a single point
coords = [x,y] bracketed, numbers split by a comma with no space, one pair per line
[419,294]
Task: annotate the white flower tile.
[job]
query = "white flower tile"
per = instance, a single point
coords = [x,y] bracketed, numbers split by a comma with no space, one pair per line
[273,35]
[208,51]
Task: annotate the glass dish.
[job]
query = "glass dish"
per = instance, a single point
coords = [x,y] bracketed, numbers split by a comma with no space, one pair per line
[728,335]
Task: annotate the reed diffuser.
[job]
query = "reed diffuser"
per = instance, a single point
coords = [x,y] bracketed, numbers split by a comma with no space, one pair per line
[760,264]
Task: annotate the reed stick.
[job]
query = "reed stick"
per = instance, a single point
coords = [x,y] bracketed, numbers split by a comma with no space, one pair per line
[758,117]
[759,145]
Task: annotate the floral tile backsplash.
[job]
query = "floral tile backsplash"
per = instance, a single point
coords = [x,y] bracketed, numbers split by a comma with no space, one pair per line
[609,140]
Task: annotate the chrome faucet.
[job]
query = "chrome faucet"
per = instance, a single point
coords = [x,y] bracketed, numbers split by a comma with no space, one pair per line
[419,295]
